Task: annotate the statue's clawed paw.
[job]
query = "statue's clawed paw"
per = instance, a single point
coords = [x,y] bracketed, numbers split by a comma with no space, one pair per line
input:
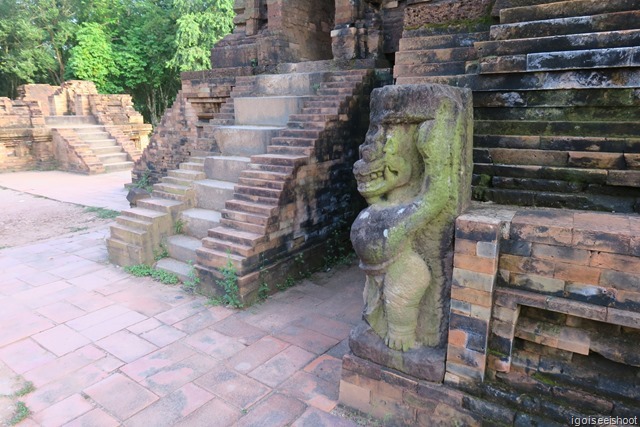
[400,342]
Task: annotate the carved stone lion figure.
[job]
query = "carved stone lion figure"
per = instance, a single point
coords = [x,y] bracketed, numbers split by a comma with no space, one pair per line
[414,173]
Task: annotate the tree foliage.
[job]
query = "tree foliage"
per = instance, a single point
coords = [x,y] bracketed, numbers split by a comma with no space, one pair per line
[133,46]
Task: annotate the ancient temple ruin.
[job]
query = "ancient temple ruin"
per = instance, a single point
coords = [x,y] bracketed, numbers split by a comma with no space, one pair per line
[539,306]
[71,128]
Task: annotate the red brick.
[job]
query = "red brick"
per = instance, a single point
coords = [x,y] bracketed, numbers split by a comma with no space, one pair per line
[557,218]
[518,264]
[601,241]
[497,364]
[623,317]
[537,283]
[355,396]
[474,263]
[63,411]
[561,253]
[577,273]
[465,247]
[236,389]
[470,279]
[282,366]
[256,354]
[121,396]
[628,297]
[457,337]
[629,264]
[311,390]
[275,410]
[464,356]
[471,228]
[541,234]
[599,221]
[471,296]
[579,309]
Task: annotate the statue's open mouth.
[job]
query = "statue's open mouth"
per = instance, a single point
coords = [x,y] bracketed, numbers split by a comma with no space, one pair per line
[373,182]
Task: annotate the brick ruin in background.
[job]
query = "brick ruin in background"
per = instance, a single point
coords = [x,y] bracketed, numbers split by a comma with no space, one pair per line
[71,128]
[541,308]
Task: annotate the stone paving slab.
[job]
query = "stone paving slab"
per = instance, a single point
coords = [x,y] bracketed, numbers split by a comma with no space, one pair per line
[103,348]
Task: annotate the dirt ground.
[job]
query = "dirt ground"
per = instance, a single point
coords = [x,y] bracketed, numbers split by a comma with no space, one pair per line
[25,218]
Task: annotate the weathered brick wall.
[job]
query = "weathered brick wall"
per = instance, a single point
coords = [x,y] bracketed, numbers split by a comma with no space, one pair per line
[178,134]
[580,264]
[24,144]
[445,11]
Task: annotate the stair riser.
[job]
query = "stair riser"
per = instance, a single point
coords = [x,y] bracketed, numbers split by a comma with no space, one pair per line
[243,142]
[266,111]
[224,169]
[180,253]
[198,227]
[118,167]
[212,198]
[567,9]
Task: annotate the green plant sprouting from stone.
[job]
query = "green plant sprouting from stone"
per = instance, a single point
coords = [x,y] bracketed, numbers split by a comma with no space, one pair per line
[144,270]
[102,213]
[21,412]
[161,253]
[191,284]
[178,226]
[229,284]
[339,250]
[144,182]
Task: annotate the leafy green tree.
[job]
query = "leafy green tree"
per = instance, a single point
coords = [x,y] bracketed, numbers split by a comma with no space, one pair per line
[92,58]
[200,24]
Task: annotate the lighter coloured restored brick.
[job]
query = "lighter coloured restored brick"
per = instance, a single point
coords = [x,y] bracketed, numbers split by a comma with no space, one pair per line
[355,397]
[487,249]
[503,329]
[466,247]
[505,314]
[480,312]
[537,283]
[497,364]
[474,280]
[460,307]
[473,263]
[623,317]
[464,356]
[472,296]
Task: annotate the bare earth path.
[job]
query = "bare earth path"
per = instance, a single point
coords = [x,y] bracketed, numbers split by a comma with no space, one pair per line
[82,343]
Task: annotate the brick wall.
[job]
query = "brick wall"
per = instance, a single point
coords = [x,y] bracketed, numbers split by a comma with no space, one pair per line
[445,11]
[580,264]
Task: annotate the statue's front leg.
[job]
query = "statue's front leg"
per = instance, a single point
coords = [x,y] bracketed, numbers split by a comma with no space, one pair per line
[405,283]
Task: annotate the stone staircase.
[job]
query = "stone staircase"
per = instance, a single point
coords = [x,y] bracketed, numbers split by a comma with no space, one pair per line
[99,150]
[234,203]
[556,102]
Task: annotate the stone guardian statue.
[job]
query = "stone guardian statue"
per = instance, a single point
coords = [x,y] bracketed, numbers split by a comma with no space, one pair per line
[415,173]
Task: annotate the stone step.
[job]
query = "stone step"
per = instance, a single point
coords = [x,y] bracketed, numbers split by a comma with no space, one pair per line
[445,68]
[289,149]
[267,111]
[112,158]
[339,93]
[563,26]
[622,57]
[130,235]
[313,103]
[123,253]
[105,150]
[345,78]
[559,158]
[565,128]
[623,38]
[565,143]
[256,198]
[68,121]
[507,4]
[269,193]
[291,161]
[261,183]
[93,136]
[310,125]
[265,175]
[225,168]
[212,194]
[460,80]
[171,188]
[223,245]
[198,159]
[614,78]
[268,167]
[183,198]
[594,97]
[217,259]
[330,111]
[546,185]
[312,118]
[300,133]
[249,218]
[244,140]
[565,9]
[245,238]
[198,221]
[192,166]
[131,222]
[555,114]
[294,142]
[244,206]
[165,206]
[584,175]
[439,56]
[445,41]
[581,201]
[183,248]
[186,175]
[177,181]
[117,167]
[247,226]
[179,268]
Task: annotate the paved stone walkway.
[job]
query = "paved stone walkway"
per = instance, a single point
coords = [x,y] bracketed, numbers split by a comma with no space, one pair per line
[103,348]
